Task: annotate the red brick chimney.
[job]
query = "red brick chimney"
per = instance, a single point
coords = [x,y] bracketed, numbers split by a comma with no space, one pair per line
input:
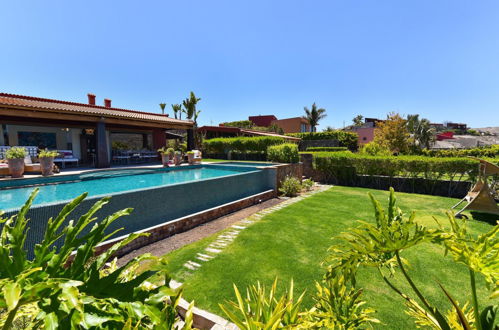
[91,99]
[107,103]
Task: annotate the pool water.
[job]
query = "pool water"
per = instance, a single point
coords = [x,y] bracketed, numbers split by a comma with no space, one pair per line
[106,184]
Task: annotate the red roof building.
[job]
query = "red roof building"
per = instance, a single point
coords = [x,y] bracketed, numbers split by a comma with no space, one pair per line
[263,121]
[84,128]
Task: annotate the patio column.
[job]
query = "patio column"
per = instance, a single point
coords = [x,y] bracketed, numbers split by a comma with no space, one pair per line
[101,145]
[190,139]
[144,141]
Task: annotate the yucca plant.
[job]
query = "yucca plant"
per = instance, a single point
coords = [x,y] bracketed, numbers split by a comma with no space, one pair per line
[262,309]
[381,245]
[70,287]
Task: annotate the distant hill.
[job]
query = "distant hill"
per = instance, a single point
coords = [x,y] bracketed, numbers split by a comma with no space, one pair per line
[491,130]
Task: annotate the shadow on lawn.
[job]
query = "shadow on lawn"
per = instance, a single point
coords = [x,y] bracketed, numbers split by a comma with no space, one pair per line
[485,217]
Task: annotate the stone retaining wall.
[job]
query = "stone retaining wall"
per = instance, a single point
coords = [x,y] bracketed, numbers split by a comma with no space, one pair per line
[179,225]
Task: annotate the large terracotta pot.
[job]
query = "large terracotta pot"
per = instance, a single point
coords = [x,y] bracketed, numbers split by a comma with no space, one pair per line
[190,158]
[16,167]
[165,159]
[47,165]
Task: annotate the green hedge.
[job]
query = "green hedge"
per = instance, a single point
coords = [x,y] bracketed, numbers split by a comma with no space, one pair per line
[491,152]
[240,144]
[345,139]
[283,153]
[333,165]
[327,149]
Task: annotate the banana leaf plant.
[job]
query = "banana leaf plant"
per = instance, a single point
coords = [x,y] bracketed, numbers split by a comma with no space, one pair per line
[70,287]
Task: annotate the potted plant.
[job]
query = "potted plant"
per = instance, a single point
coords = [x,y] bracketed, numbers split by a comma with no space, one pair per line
[177,157]
[46,159]
[15,157]
[166,155]
[190,157]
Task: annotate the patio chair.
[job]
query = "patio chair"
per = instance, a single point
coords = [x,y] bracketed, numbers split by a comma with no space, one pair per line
[198,157]
[480,197]
[66,156]
[29,166]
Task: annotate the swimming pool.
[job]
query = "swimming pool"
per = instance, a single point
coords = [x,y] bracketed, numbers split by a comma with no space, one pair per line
[157,196]
[107,183]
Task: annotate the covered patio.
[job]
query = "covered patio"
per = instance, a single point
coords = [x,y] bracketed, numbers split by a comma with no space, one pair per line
[94,135]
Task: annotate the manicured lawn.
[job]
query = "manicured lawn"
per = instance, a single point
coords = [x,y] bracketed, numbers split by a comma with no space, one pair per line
[292,242]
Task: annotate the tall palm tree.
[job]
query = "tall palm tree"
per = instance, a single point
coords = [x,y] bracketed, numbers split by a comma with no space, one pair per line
[314,115]
[162,106]
[177,109]
[190,105]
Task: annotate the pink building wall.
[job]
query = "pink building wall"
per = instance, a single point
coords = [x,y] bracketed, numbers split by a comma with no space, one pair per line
[366,134]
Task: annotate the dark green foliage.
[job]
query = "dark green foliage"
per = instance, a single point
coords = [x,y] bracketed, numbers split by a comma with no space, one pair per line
[345,139]
[453,169]
[490,151]
[239,123]
[240,144]
[327,149]
[283,153]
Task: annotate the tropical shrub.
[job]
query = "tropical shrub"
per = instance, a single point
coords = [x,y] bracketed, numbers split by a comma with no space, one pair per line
[47,153]
[381,245]
[16,153]
[290,186]
[283,153]
[327,149]
[166,151]
[307,184]
[68,287]
[240,144]
[374,149]
[262,309]
[345,139]
[337,306]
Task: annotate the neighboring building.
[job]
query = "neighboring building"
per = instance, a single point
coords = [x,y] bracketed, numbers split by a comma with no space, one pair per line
[457,126]
[293,125]
[288,125]
[366,131]
[87,130]
[211,132]
[263,121]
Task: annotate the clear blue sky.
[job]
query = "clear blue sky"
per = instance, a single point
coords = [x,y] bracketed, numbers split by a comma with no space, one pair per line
[437,58]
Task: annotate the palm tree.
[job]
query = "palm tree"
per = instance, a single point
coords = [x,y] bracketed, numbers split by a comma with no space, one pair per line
[358,121]
[177,108]
[314,115]
[421,130]
[162,106]
[190,105]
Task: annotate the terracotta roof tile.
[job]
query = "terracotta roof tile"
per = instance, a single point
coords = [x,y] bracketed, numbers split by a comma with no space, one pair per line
[73,107]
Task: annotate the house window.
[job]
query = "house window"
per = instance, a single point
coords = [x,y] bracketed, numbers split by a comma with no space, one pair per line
[303,128]
[37,139]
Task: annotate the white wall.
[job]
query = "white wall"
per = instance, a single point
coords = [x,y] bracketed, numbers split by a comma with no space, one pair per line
[75,140]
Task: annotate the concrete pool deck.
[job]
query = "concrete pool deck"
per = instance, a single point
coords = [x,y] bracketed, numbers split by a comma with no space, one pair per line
[83,170]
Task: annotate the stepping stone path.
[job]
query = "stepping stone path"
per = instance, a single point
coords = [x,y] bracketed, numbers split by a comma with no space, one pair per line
[225,239]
